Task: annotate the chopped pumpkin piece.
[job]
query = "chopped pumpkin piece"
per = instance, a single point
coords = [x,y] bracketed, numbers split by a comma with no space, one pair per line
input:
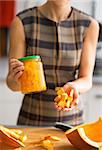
[51,137]
[13,133]
[59,90]
[47,144]
[16,131]
[23,138]
[55,138]
[63,100]
[100,147]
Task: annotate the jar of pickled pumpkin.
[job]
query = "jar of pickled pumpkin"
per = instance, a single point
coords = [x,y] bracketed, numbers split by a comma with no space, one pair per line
[32,79]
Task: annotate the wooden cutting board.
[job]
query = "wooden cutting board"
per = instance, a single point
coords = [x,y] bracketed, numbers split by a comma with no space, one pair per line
[35,134]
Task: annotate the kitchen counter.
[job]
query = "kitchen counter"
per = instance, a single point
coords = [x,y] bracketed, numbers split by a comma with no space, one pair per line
[34,135]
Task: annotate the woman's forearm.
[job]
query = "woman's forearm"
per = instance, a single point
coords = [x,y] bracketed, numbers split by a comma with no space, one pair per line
[82,84]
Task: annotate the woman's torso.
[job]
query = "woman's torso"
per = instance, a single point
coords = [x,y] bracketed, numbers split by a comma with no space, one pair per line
[60,47]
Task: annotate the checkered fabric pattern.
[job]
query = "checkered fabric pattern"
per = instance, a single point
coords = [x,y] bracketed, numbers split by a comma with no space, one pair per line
[60,47]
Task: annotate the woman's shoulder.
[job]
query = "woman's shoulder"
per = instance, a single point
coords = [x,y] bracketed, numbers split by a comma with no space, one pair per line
[83,17]
[81,14]
[27,16]
[27,12]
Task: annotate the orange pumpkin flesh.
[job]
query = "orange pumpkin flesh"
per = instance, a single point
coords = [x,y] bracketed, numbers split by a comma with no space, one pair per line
[86,136]
[63,99]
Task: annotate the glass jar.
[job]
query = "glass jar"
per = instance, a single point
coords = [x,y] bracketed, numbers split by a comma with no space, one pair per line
[32,79]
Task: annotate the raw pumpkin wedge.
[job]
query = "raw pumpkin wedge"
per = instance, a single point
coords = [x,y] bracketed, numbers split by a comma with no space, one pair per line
[86,136]
[10,138]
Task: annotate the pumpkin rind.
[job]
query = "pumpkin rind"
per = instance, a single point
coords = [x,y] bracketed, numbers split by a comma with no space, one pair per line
[87,136]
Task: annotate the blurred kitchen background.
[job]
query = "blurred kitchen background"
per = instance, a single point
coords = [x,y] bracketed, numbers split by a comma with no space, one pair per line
[10,102]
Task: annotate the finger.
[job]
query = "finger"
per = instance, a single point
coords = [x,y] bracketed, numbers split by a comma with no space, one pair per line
[74,102]
[17,63]
[67,88]
[57,107]
[13,65]
[76,94]
[13,60]
[18,75]
[67,109]
[17,69]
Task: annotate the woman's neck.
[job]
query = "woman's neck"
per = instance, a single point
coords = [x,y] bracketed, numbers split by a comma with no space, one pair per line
[56,11]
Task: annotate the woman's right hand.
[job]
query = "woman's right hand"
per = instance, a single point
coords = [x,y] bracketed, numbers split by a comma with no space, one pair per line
[16,69]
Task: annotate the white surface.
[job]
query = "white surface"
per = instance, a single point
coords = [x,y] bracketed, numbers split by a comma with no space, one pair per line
[93,103]
[24,4]
[10,103]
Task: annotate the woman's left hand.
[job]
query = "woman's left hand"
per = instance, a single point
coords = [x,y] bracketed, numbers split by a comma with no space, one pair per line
[67,97]
[69,87]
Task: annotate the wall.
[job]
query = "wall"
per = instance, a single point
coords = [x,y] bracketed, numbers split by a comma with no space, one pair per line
[23,4]
[92,7]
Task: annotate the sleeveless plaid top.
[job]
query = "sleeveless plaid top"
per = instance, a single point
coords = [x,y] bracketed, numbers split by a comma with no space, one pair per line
[60,46]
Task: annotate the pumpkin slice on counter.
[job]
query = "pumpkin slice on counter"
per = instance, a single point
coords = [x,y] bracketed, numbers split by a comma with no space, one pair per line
[10,138]
[87,136]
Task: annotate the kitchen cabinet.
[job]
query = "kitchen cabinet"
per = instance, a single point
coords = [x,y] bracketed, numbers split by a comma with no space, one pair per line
[93,102]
